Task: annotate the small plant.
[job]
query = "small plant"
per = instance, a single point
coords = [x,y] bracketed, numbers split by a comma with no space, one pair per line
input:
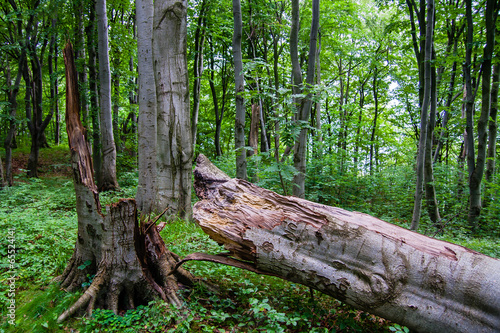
[399,329]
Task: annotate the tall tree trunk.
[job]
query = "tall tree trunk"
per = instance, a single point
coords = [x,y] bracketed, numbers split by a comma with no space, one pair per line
[34,113]
[424,116]
[215,101]
[12,91]
[492,126]
[108,149]
[253,137]
[3,183]
[147,145]
[79,7]
[54,82]
[375,118]
[317,105]
[199,41]
[93,93]
[175,153]
[239,84]
[476,166]
[300,148]
[115,100]
[411,279]
[430,190]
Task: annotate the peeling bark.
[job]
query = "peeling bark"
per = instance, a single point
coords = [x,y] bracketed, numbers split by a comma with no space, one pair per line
[423,283]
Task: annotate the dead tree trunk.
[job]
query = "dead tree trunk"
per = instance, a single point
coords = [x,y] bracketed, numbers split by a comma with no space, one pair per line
[423,283]
[128,262]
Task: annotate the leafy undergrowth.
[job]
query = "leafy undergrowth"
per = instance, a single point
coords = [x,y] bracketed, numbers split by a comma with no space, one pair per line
[39,218]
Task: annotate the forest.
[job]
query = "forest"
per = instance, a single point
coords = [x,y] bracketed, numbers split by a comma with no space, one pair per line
[387,108]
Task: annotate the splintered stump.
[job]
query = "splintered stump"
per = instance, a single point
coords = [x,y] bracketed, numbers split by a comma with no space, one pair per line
[420,282]
[125,262]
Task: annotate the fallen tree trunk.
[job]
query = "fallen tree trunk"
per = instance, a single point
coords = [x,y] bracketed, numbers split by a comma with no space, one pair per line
[414,280]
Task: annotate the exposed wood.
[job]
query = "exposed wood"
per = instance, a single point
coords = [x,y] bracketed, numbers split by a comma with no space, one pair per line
[128,260]
[423,283]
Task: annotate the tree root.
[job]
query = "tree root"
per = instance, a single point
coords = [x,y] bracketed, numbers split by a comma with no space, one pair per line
[88,296]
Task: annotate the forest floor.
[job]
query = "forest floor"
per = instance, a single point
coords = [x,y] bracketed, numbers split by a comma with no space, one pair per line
[38,217]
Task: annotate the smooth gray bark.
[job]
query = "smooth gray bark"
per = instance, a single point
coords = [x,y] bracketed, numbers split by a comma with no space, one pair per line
[419,188]
[175,148]
[108,149]
[239,84]
[147,146]
[199,42]
[411,279]
[300,148]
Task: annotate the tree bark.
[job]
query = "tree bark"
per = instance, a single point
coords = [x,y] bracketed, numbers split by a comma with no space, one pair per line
[54,81]
[239,83]
[253,137]
[3,183]
[199,41]
[475,164]
[12,92]
[492,125]
[175,149]
[430,189]
[129,262]
[423,283]
[147,145]
[300,148]
[93,93]
[108,149]
[419,188]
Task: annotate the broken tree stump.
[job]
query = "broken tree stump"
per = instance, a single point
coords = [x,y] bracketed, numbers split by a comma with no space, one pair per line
[414,280]
[124,262]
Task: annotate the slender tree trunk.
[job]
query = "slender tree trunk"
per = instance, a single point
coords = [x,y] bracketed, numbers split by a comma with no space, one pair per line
[239,82]
[215,102]
[424,116]
[430,190]
[375,118]
[476,166]
[93,93]
[253,137]
[492,126]
[79,7]
[319,134]
[3,183]
[108,148]
[300,148]
[54,82]
[147,145]
[175,153]
[13,91]
[34,113]
[115,100]
[199,41]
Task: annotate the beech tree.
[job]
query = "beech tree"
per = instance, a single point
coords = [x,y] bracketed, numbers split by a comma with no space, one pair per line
[239,87]
[424,115]
[175,148]
[147,145]
[107,180]
[423,283]
[305,105]
[476,165]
